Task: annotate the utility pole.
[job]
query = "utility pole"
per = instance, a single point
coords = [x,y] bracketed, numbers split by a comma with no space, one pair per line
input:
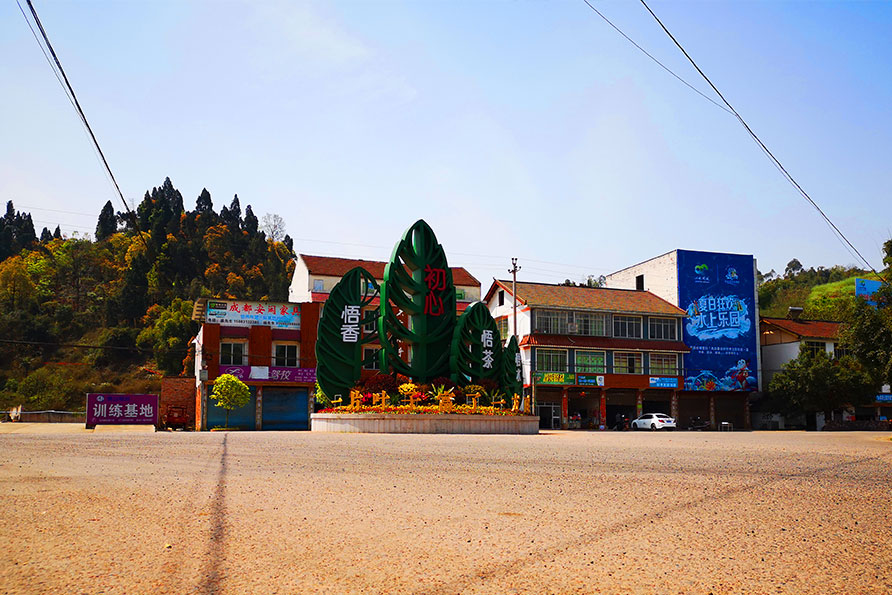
[513,270]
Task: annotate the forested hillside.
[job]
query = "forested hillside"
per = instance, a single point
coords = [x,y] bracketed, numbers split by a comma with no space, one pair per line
[80,315]
[821,291]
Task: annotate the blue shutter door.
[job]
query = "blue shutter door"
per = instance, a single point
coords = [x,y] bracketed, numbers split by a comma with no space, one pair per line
[243,417]
[285,409]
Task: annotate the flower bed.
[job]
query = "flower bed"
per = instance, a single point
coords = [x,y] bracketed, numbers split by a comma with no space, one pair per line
[423,409]
[423,423]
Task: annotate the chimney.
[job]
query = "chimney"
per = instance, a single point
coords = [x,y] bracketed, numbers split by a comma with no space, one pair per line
[794,313]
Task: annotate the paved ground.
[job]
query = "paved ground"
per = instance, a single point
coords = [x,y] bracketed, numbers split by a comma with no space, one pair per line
[556,513]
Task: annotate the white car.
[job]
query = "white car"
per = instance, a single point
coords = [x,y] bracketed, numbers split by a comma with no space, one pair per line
[653,421]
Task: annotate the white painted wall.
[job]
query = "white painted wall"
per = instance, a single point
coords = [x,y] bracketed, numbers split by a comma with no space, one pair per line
[660,276]
[299,290]
[774,357]
[523,313]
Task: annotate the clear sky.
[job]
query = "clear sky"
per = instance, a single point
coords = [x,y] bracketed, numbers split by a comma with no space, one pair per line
[528,129]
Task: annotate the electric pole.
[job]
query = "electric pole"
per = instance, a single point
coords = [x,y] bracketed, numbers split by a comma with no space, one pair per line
[513,270]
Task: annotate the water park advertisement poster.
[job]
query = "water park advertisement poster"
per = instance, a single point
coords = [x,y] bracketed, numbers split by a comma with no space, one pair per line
[718,293]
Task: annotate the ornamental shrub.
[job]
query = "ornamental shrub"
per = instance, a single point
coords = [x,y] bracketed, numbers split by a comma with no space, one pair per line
[230,393]
[379,382]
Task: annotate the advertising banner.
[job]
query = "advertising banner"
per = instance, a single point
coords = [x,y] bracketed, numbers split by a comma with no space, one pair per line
[121,409]
[553,378]
[661,382]
[271,374]
[243,313]
[866,288]
[718,292]
[884,398]
[589,380]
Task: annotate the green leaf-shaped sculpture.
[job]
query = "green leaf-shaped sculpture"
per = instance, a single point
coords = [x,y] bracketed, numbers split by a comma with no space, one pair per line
[342,333]
[476,351]
[417,281]
[512,379]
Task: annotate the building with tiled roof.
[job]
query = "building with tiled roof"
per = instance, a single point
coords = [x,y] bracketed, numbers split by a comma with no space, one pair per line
[315,276]
[592,354]
[783,338]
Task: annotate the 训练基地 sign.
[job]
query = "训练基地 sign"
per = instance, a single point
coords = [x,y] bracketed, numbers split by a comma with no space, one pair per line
[245,313]
[105,409]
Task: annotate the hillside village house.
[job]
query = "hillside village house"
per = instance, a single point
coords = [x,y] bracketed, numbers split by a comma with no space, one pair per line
[782,339]
[590,354]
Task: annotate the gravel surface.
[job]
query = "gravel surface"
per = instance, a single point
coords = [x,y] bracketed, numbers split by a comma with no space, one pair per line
[562,512]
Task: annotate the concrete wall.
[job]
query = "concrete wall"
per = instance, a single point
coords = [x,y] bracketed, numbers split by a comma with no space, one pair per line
[774,357]
[660,277]
[371,423]
[299,290]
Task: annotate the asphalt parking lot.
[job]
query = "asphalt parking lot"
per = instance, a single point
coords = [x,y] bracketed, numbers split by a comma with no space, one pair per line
[562,512]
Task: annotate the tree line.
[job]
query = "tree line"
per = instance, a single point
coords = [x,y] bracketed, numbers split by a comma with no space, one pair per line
[126,295]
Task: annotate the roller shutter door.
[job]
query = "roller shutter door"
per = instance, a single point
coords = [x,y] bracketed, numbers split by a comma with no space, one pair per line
[285,409]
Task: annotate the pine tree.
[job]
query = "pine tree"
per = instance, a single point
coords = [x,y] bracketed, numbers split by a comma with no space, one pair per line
[107,224]
[45,236]
[57,233]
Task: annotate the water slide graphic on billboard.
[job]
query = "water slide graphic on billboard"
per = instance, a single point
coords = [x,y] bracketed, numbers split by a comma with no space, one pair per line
[718,293]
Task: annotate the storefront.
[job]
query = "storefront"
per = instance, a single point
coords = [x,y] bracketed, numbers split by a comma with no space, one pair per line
[269,347]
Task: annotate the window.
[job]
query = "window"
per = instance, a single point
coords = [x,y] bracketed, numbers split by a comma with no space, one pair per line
[551,360]
[840,350]
[590,361]
[628,327]
[639,283]
[590,324]
[504,332]
[662,328]
[552,322]
[286,355]
[627,363]
[814,347]
[501,297]
[370,359]
[664,363]
[370,327]
[233,353]
[318,285]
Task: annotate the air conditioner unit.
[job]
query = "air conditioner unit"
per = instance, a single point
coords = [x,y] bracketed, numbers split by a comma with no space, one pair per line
[571,327]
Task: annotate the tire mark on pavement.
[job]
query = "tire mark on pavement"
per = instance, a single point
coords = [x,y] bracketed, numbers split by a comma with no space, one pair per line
[216,549]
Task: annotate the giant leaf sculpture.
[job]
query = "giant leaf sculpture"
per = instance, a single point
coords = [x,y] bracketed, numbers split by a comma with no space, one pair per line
[418,282]
[512,370]
[476,351]
[342,334]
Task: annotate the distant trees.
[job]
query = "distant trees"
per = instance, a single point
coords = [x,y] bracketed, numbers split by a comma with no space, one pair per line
[16,232]
[107,224]
[273,226]
[588,281]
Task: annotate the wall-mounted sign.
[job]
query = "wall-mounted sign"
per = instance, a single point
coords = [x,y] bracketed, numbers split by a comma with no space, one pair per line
[718,292]
[121,409]
[271,374]
[660,382]
[554,378]
[884,398]
[242,313]
[589,380]
[866,288]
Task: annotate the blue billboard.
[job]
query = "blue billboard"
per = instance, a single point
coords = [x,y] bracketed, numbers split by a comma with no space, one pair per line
[866,288]
[718,293]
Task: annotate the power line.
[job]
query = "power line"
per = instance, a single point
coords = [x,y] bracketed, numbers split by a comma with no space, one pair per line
[77,106]
[764,148]
[651,56]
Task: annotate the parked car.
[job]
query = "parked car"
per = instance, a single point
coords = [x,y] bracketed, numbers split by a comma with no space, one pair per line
[698,423]
[653,421]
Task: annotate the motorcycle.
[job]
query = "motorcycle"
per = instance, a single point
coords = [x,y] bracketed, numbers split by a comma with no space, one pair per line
[697,423]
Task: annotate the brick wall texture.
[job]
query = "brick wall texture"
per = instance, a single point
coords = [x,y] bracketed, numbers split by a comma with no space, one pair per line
[179,391]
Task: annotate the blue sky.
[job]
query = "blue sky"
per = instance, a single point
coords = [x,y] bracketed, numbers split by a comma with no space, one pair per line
[528,129]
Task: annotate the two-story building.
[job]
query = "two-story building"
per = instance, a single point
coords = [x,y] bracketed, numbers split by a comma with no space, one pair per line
[268,345]
[592,354]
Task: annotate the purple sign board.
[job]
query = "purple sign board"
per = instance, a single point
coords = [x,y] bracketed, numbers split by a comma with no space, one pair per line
[105,408]
[272,374]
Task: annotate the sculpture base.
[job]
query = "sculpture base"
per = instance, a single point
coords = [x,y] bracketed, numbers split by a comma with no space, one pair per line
[384,423]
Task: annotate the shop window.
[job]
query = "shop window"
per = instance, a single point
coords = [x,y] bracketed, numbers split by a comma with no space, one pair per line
[286,355]
[627,363]
[664,363]
[628,327]
[662,328]
[551,360]
[233,353]
[590,361]
[370,359]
